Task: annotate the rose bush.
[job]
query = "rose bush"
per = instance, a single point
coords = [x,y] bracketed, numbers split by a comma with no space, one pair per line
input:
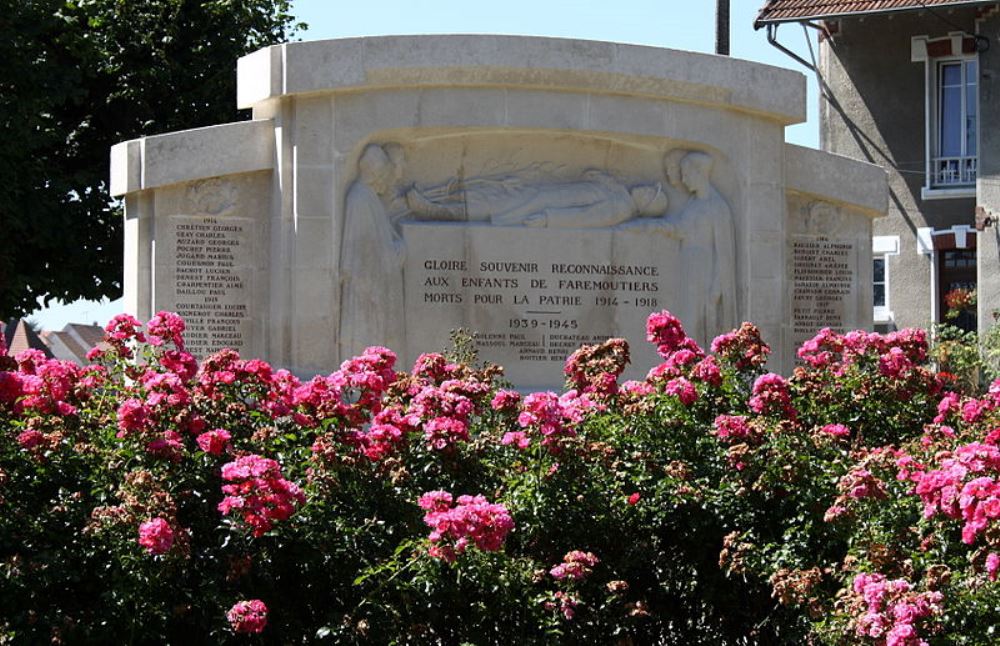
[150,498]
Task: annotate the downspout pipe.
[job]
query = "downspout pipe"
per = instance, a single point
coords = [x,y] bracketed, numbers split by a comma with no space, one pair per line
[772,37]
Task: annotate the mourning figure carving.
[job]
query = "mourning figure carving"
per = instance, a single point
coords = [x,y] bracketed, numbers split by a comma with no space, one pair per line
[372,254]
[701,220]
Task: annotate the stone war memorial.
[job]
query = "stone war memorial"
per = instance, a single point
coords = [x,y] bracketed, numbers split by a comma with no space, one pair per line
[542,193]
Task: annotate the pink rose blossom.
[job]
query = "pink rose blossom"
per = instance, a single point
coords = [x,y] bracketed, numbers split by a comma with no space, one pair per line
[214,442]
[30,438]
[733,427]
[576,565]
[992,565]
[836,430]
[156,536]
[248,617]
[472,520]
[258,493]
[168,446]
[506,400]
[132,417]
[122,328]
[683,389]
[664,330]
[771,396]
[166,326]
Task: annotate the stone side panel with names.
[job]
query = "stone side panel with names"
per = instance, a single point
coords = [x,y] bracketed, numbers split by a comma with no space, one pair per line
[823,285]
[533,296]
[206,270]
[828,269]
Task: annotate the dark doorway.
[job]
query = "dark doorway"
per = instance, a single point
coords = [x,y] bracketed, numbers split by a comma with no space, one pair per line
[957,271]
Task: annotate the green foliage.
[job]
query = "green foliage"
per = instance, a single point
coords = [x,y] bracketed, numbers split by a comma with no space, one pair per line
[743,510]
[990,343]
[79,77]
[960,353]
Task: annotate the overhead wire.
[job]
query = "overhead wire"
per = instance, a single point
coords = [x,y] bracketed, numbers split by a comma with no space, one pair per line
[982,42]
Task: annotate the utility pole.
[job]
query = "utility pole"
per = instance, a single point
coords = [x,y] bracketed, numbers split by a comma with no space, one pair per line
[722,27]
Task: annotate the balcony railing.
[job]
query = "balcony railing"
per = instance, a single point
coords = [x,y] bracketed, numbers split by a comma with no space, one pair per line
[947,172]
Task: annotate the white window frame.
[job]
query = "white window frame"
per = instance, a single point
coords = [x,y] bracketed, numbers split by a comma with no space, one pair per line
[883,247]
[932,126]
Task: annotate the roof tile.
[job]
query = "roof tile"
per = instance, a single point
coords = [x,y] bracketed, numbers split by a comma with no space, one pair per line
[91,335]
[800,10]
[20,337]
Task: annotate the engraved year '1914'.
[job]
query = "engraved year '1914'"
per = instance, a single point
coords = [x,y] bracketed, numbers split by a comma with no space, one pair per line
[552,324]
[612,301]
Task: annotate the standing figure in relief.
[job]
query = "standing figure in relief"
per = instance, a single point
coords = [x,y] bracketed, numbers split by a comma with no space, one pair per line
[700,218]
[708,251]
[597,199]
[677,194]
[395,200]
[371,259]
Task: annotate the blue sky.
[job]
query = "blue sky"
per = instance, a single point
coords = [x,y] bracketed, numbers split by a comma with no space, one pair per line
[678,24]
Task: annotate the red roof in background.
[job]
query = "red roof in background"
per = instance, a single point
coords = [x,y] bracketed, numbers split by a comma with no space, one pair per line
[20,336]
[74,341]
[91,335]
[801,10]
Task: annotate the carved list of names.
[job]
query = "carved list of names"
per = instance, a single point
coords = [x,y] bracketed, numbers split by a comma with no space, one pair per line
[211,260]
[823,283]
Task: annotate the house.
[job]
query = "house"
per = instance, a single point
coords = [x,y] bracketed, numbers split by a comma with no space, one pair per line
[914,86]
[74,341]
[19,336]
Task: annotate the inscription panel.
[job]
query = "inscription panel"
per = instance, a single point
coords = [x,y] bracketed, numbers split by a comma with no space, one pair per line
[533,296]
[208,266]
[824,278]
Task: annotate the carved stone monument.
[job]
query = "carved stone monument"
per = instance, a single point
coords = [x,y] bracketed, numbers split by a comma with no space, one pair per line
[542,193]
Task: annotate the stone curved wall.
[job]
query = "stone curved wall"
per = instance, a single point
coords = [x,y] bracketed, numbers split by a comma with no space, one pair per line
[369,158]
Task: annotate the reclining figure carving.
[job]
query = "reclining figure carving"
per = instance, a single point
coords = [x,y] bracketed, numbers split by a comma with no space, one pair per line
[597,199]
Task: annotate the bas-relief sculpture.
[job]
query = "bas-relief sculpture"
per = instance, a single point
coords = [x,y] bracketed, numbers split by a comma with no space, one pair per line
[702,220]
[372,255]
[213,197]
[684,206]
[597,199]
[822,218]
[708,249]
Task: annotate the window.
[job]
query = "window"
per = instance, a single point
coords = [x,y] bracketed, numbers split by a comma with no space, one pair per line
[951,68]
[880,289]
[953,160]
[878,273]
[882,248]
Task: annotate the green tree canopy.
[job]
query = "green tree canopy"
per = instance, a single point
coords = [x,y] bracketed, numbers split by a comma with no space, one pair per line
[78,77]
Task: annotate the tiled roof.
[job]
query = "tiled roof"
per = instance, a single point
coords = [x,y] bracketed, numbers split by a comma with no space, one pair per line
[90,335]
[801,10]
[73,351]
[74,341]
[20,336]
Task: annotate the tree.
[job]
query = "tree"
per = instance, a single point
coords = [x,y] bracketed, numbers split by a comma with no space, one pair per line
[80,76]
